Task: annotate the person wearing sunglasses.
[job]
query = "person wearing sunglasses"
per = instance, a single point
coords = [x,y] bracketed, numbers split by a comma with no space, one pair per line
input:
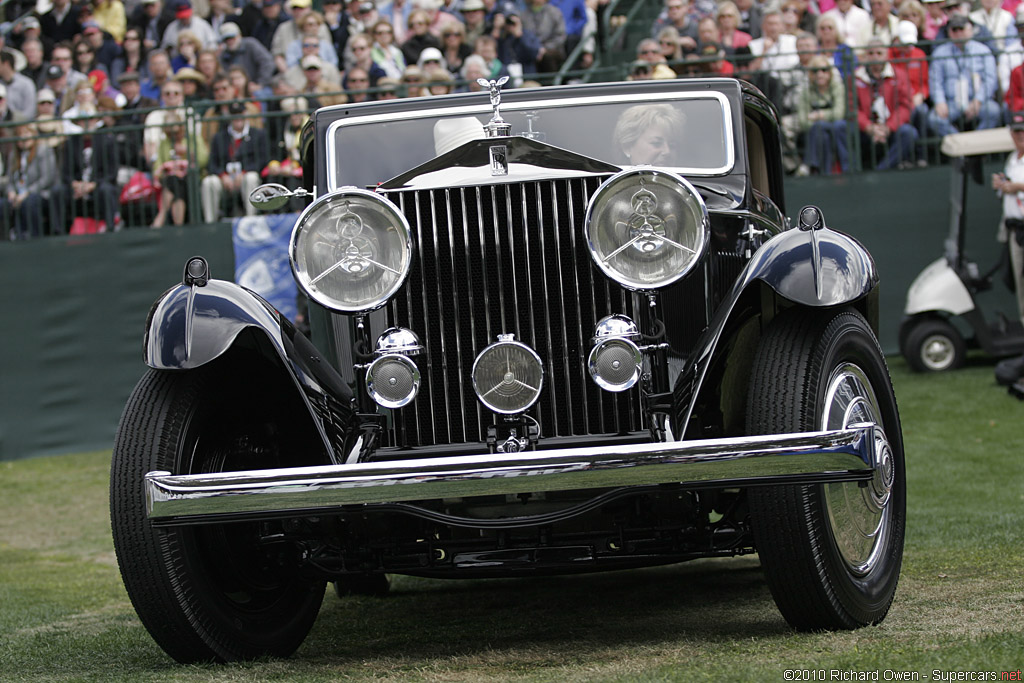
[821,118]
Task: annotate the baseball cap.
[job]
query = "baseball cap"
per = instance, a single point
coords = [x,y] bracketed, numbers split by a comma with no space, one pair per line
[45,95]
[54,72]
[1017,120]
[229,30]
[90,27]
[311,62]
[29,23]
[907,32]
[236,107]
[300,3]
[128,76]
[957,21]
[473,5]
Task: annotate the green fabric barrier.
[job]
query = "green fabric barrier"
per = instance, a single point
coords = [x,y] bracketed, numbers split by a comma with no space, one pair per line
[74,311]
[902,218]
[74,308]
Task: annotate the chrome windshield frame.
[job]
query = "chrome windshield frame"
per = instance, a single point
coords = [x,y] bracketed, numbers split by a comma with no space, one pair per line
[484,109]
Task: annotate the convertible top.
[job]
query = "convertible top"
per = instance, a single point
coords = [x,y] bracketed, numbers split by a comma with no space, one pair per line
[975,142]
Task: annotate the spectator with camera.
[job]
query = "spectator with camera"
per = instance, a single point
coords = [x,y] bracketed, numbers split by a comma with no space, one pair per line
[517,47]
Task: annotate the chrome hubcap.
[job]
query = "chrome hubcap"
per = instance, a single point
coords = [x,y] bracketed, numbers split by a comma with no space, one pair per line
[859,514]
[937,352]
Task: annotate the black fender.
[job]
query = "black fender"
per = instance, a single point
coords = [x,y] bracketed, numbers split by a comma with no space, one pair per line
[816,267]
[194,323]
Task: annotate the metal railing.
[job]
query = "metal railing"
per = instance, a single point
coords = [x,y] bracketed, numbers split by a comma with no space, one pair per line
[58,204]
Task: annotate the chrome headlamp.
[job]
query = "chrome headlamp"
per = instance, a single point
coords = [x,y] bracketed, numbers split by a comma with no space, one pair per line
[393,379]
[615,360]
[507,376]
[351,251]
[646,228]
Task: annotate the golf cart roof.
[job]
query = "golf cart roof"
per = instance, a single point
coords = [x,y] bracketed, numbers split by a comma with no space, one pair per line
[972,143]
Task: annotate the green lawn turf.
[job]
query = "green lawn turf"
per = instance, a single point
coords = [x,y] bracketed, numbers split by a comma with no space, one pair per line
[959,608]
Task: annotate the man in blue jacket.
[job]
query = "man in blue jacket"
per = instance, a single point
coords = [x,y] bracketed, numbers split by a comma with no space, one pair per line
[962,81]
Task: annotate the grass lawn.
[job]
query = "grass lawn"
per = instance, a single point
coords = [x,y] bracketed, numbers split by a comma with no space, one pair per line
[64,614]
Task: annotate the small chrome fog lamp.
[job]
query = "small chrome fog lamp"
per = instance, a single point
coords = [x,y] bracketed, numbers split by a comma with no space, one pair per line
[614,362]
[393,379]
[507,376]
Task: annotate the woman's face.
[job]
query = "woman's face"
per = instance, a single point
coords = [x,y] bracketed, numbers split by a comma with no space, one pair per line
[384,35]
[85,96]
[132,43]
[654,146]
[361,50]
[826,33]
[419,24]
[310,26]
[83,54]
[238,81]
[822,75]
[728,21]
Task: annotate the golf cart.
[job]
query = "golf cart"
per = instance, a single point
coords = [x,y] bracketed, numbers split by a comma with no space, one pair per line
[942,316]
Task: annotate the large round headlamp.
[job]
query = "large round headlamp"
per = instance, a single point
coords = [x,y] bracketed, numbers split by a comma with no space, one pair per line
[646,228]
[507,376]
[351,251]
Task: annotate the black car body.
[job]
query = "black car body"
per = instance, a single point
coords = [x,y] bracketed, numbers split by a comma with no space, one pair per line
[536,353]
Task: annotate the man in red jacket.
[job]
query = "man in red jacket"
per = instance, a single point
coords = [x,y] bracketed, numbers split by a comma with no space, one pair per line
[883,109]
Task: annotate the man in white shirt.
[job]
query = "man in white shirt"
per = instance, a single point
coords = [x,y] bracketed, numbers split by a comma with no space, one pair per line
[776,50]
[854,22]
[1010,186]
[998,21]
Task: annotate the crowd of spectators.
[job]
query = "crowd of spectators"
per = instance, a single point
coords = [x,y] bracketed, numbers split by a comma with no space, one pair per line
[107,104]
[887,75]
[111,103]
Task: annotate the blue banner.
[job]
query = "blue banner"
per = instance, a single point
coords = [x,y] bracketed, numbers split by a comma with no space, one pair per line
[261,259]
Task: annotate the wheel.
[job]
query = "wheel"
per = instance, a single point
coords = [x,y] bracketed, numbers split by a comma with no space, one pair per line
[215,592]
[934,346]
[831,553]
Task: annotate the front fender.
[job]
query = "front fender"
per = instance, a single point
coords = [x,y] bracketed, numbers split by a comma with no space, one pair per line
[816,268]
[194,324]
[813,267]
[191,325]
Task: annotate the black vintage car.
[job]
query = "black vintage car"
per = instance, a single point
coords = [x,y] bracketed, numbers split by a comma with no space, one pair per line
[557,330]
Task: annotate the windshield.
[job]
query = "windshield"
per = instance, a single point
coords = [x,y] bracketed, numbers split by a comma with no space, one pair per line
[690,133]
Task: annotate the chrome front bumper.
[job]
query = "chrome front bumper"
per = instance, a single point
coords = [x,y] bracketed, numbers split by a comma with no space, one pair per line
[813,457]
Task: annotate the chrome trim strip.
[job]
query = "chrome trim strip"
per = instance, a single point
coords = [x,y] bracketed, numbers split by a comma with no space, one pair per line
[840,455]
[485,109]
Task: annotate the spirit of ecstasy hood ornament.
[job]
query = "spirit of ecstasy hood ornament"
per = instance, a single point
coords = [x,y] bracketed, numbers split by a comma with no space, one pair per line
[497,126]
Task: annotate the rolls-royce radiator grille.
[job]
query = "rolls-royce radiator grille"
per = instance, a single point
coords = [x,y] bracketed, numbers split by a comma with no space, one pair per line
[505,259]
